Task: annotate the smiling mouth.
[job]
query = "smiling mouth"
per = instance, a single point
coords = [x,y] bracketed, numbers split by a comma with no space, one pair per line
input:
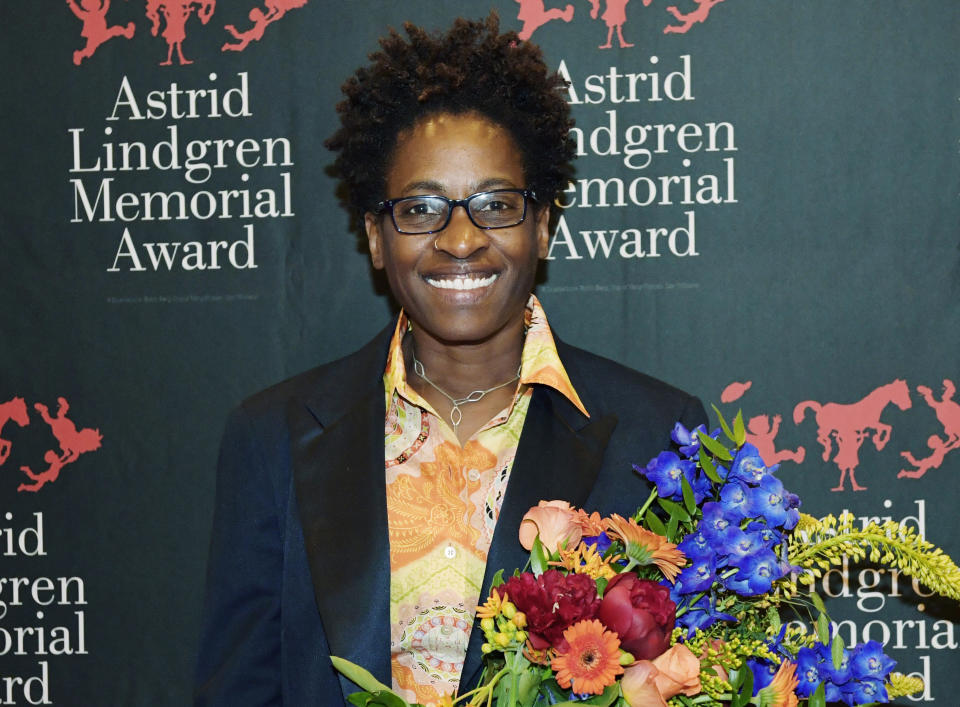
[461,283]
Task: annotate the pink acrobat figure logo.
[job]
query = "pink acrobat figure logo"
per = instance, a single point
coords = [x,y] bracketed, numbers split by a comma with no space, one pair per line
[948,413]
[16,410]
[851,424]
[760,432]
[176,13]
[275,10]
[534,15]
[73,443]
[95,30]
[615,16]
[689,19]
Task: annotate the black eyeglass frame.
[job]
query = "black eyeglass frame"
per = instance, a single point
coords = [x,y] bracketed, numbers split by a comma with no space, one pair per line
[387,207]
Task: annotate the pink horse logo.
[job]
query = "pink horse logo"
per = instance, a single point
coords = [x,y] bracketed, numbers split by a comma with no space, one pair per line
[15,410]
[849,425]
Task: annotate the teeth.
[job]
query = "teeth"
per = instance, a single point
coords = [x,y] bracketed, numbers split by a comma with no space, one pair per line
[462,283]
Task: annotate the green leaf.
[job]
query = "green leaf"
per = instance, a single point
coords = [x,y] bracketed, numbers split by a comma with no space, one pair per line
[817,602]
[706,463]
[836,651]
[819,697]
[538,558]
[823,629]
[715,447]
[688,498]
[602,583]
[674,509]
[497,579]
[359,676]
[773,618]
[739,433]
[655,524]
[723,423]
[746,690]
[672,526]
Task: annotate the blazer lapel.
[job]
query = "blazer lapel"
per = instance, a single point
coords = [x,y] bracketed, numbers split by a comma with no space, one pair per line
[338,471]
[559,456]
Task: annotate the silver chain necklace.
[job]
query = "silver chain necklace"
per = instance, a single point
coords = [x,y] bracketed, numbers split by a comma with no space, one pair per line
[455,414]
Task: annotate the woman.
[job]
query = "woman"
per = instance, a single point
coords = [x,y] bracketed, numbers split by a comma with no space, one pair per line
[363,507]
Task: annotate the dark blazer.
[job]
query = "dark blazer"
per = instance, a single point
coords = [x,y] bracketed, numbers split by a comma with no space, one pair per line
[299,567]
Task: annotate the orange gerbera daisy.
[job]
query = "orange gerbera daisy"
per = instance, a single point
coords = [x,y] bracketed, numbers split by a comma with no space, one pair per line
[780,692]
[592,661]
[643,547]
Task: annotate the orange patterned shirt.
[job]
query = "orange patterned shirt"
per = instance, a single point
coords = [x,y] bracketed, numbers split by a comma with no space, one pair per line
[443,500]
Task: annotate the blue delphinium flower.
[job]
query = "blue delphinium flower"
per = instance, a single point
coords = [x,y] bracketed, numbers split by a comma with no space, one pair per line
[869,661]
[743,545]
[666,470]
[867,691]
[698,577]
[756,574]
[716,526]
[735,501]
[748,465]
[768,537]
[766,500]
[687,439]
[696,545]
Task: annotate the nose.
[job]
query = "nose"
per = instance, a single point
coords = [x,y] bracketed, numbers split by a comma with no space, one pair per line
[461,238]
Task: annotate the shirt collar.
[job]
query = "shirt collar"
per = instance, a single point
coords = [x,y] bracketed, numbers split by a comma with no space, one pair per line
[539,362]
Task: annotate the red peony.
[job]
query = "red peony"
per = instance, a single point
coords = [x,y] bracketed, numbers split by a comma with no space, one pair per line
[641,612]
[552,603]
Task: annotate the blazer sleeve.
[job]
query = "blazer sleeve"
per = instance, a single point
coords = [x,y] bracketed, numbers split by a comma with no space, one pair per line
[239,656]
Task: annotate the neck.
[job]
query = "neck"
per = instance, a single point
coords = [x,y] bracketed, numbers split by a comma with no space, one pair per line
[460,368]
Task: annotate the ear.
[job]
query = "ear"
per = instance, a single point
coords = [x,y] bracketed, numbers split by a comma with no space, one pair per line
[371,223]
[542,226]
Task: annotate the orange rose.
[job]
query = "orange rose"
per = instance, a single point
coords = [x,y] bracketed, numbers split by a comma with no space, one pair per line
[639,685]
[554,521]
[650,683]
[679,672]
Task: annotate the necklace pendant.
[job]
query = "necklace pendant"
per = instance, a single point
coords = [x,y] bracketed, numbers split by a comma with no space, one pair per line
[455,417]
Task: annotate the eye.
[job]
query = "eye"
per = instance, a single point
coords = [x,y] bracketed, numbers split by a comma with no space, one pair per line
[419,208]
[499,202]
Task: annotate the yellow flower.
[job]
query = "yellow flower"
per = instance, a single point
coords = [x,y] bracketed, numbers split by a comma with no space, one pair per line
[593,660]
[493,606]
[644,547]
[585,559]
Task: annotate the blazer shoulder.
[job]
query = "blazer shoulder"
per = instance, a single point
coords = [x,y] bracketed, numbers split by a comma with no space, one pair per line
[606,386]
[335,382]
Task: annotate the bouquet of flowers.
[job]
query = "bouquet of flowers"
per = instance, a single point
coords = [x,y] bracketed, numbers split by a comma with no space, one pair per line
[683,603]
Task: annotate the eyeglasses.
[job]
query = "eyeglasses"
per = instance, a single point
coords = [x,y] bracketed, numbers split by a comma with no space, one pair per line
[500,208]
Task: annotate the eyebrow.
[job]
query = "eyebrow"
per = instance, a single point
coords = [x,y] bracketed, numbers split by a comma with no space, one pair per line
[429,185]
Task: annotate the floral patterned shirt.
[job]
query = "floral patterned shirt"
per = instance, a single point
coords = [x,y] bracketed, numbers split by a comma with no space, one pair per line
[443,500]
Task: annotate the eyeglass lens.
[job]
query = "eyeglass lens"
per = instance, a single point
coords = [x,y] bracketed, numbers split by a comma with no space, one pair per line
[495,209]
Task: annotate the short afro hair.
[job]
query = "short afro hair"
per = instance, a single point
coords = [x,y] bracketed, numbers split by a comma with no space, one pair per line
[471,68]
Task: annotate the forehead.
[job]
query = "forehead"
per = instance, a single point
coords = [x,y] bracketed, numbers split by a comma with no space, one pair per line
[454,154]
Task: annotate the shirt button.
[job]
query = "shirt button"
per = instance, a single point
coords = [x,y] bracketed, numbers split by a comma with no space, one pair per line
[473,475]
[450,552]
